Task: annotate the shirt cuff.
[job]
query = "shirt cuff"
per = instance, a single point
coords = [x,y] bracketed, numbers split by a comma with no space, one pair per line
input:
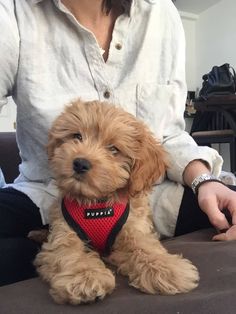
[204,153]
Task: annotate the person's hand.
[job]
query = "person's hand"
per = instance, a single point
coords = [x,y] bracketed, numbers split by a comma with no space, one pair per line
[213,197]
[229,234]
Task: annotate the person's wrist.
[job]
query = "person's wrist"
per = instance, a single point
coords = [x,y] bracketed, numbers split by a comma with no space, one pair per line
[202,179]
[194,169]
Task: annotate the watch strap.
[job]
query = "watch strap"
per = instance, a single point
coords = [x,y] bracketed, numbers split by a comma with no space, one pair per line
[203,178]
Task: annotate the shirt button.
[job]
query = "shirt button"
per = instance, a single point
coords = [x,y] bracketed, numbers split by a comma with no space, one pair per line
[118,46]
[106,94]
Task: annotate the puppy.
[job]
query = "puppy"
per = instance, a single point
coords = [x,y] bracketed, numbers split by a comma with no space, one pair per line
[105,163]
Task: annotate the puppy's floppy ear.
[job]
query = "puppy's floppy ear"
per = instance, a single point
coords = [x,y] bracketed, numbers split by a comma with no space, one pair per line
[52,144]
[63,125]
[58,131]
[150,163]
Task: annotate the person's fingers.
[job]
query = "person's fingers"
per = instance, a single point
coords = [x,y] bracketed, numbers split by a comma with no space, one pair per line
[229,235]
[216,217]
[232,210]
[220,237]
[233,215]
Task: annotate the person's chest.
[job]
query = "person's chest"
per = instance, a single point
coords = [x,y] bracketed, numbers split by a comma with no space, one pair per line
[60,61]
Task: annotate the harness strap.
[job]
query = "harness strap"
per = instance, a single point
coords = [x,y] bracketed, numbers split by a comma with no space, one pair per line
[97,226]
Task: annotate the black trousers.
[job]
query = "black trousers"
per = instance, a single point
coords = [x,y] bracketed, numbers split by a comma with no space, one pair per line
[19,215]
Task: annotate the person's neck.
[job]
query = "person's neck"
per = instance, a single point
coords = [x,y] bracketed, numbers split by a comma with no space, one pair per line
[92,15]
[85,11]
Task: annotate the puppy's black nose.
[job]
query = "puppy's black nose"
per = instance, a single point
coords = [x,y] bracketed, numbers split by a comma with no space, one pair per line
[81,165]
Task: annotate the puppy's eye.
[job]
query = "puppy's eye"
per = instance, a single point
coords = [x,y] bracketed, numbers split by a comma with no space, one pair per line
[78,136]
[114,150]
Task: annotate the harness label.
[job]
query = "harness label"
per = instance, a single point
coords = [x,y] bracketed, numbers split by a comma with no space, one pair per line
[98,213]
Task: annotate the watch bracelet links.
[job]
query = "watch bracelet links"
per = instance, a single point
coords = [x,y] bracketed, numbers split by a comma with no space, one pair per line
[203,178]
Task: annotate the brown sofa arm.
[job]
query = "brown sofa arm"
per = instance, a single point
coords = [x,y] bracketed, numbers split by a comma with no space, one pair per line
[9,156]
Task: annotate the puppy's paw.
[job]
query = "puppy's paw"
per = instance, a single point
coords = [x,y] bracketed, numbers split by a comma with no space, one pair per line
[84,287]
[167,274]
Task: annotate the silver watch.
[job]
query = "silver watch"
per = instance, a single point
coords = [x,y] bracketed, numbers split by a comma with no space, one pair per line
[205,177]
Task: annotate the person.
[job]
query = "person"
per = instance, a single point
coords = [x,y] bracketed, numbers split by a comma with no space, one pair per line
[129,53]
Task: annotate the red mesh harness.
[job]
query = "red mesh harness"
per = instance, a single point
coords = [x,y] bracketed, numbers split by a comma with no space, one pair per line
[97,225]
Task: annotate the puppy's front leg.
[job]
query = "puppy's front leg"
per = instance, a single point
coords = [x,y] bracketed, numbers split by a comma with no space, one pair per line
[138,254]
[75,273]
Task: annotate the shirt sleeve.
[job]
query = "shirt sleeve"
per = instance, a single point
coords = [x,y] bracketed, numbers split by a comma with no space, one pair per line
[180,146]
[9,49]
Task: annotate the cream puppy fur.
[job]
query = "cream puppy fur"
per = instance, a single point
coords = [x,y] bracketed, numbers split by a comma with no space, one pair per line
[121,159]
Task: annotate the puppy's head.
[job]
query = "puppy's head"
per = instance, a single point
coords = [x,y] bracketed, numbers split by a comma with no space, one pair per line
[96,150]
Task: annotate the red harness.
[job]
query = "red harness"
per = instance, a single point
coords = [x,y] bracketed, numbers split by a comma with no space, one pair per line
[97,225]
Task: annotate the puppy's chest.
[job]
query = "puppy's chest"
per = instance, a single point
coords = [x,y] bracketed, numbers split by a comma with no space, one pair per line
[98,224]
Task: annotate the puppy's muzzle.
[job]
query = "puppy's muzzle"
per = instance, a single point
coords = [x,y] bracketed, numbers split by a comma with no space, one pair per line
[81,165]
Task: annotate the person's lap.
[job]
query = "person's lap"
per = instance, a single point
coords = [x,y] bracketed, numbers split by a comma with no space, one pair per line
[19,215]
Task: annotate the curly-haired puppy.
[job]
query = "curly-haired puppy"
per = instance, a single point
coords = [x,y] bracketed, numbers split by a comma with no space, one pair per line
[105,162]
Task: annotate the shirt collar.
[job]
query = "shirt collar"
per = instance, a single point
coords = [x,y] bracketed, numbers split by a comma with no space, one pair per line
[151,1]
[36,1]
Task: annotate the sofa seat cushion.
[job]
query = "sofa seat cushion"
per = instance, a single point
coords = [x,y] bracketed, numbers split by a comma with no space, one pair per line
[215,294]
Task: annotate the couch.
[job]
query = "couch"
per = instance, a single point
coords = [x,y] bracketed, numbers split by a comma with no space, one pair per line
[216,262]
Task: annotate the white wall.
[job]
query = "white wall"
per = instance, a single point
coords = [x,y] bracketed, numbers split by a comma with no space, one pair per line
[210,40]
[189,25]
[215,37]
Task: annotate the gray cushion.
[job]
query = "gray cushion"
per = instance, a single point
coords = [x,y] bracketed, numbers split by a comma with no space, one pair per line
[215,294]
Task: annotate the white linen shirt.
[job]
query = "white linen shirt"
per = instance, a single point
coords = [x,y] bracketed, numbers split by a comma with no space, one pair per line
[47,59]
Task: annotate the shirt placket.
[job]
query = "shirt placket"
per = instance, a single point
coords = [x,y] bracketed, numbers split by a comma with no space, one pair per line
[105,75]
[97,66]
